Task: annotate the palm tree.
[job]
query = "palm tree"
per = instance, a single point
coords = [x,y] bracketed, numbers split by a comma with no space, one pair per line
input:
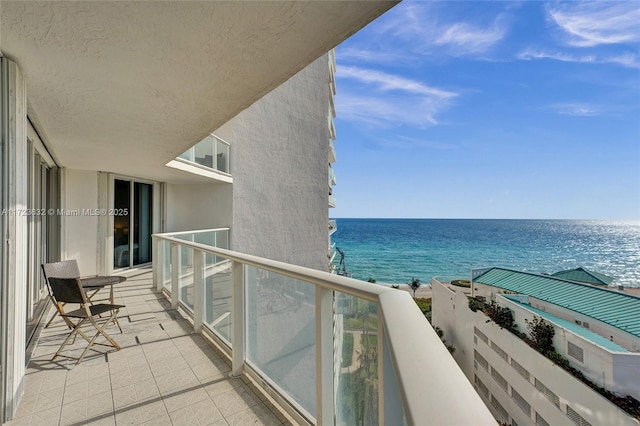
[415,285]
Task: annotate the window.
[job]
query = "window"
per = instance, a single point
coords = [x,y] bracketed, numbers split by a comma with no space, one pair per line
[520,369]
[499,379]
[575,351]
[480,360]
[481,335]
[522,403]
[481,387]
[499,408]
[499,351]
[547,393]
[576,418]
[540,421]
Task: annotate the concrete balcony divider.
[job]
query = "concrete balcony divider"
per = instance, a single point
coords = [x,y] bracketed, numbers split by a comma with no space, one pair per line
[330,349]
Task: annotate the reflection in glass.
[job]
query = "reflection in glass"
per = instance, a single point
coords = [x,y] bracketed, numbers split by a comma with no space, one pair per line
[121,204]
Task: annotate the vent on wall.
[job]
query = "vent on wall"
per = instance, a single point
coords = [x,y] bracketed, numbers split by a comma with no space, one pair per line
[575,351]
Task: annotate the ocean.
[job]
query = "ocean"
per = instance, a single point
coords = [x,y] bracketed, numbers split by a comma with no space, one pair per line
[393,251]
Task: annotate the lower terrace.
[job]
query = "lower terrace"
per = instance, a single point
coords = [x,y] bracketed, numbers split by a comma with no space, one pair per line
[212,336]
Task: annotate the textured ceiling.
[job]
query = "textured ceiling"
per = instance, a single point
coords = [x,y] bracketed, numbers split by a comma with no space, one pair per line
[127,86]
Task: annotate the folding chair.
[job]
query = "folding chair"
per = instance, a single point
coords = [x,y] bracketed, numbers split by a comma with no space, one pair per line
[92,285]
[70,290]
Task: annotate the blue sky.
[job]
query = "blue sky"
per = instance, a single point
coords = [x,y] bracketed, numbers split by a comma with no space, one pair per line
[491,110]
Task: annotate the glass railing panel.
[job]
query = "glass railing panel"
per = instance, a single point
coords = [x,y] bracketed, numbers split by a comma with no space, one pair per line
[280,324]
[185,284]
[218,290]
[205,152]
[187,155]
[211,152]
[356,346]
[222,156]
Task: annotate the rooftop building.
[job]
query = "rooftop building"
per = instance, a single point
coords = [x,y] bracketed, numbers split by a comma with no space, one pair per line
[594,331]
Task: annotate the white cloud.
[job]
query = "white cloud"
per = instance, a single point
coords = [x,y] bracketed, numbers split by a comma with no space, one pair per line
[429,30]
[464,38]
[628,60]
[382,99]
[386,82]
[352,54]
[577,109]
[594,23]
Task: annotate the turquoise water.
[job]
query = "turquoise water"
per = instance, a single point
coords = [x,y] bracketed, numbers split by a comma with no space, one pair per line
[395,250]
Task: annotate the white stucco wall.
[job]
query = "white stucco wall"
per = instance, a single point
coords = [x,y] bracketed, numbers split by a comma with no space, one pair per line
[279,165]
[203,206]
[80,233]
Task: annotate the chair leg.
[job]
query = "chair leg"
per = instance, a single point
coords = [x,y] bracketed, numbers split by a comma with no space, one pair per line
[75,331]
[99,332]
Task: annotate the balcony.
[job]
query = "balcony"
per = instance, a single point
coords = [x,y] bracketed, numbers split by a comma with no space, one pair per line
[333,226]
[332,152]
[210,157]
[332,176]
[332,201]
[293,345]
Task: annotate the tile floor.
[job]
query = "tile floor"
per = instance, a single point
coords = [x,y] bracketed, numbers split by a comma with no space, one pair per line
[164,374]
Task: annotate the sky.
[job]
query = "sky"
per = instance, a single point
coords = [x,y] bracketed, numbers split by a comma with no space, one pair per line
[491,110]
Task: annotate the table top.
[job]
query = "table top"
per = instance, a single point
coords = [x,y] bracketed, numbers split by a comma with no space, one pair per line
[102,281]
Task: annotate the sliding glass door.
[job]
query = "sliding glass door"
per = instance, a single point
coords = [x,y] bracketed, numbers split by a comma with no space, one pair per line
[132,223]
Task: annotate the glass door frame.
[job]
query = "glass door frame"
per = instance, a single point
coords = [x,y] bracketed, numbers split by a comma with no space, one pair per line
[156,215]
[43,191]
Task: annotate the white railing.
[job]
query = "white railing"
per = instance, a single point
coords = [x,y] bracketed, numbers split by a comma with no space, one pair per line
[211,152]
[331,349]
[332,176]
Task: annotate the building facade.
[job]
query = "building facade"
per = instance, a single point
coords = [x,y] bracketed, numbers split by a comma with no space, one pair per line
[95,116]
[520,385]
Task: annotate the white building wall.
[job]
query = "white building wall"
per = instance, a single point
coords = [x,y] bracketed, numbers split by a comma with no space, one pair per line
[570,391]
[279,166]
[202,206]
[80,233]
[597,363]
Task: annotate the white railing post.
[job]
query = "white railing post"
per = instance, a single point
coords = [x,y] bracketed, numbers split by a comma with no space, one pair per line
[324,356]
[158,264]
[198,290]
[238,321]
[392,404]
[175,274]
[382,386]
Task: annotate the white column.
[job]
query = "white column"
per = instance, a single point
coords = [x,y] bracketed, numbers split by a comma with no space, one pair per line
[175,275]
[238,324]
[14,246]
[324,356]
[198,290]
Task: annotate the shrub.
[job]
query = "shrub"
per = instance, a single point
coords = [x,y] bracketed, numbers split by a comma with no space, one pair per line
[476,305]
[541,334]
[501,316]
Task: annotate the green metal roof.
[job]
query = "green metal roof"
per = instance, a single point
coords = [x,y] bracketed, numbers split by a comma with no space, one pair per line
[618,309]
[584,276]
[573,327]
